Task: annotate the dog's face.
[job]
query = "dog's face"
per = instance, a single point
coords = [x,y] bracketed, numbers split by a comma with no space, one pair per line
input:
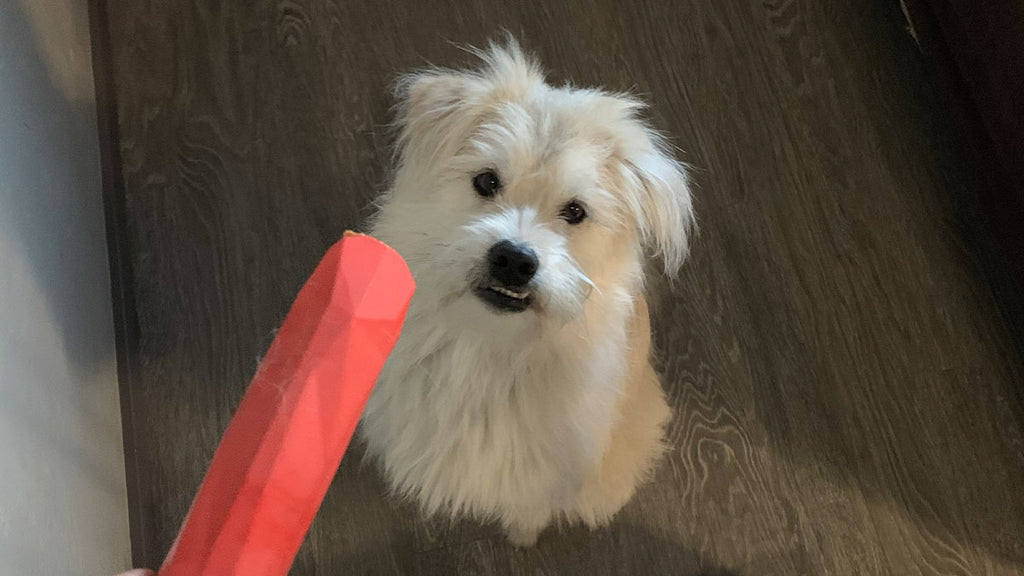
[513,198]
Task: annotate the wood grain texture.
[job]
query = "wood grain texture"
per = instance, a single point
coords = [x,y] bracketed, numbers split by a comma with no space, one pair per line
[847,395]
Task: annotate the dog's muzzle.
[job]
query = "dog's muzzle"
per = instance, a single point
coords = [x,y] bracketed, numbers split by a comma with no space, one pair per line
[510,268]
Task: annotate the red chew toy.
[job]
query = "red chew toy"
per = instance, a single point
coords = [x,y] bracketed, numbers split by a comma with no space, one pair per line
[285,442]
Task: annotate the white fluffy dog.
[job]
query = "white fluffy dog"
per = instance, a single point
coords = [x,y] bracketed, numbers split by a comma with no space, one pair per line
[521,388]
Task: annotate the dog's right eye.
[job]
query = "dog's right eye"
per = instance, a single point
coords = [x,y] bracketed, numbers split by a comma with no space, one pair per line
[486,184]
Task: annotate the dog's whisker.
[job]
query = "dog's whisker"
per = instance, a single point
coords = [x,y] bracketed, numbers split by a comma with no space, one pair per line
[586,280]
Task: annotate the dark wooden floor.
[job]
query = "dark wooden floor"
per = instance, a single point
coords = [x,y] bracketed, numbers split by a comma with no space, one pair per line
[848,396]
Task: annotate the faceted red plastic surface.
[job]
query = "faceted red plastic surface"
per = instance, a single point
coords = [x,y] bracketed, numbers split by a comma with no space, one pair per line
[283,446]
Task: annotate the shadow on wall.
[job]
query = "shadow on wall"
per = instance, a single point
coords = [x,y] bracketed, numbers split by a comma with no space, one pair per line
[52,216]
[62,485]
[52,237]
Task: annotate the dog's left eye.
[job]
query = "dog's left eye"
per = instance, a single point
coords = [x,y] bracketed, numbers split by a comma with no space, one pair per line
[573,213]
[486,184]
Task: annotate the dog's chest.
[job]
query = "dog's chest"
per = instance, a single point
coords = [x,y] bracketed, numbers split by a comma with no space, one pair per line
[462,423]
[475,408]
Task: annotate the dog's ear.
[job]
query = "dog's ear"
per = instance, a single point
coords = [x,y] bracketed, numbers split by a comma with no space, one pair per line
[434,113]
[438,108]
[510,73]
[661,204]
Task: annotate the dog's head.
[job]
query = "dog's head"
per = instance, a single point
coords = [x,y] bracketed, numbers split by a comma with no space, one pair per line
[513,196]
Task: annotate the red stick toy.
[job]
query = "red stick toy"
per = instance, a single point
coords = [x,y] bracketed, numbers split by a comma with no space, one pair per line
[283,446]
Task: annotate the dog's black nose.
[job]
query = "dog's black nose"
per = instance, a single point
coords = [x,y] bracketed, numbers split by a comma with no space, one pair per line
[511,263]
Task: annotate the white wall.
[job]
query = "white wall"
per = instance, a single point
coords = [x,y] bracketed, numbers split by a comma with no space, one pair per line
[63,507]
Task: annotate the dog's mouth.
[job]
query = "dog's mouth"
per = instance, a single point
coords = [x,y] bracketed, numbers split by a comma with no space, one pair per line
[505,298]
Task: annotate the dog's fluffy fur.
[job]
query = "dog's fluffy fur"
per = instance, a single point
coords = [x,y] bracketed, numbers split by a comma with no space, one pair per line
[554,412]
